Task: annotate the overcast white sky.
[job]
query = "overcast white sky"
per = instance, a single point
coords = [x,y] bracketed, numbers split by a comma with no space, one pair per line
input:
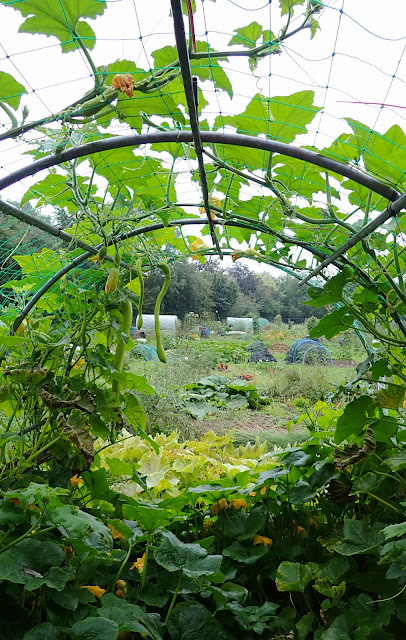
[367,38]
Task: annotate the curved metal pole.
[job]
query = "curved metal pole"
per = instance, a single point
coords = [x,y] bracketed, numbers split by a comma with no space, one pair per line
[57,276]
[391,211]
[216,137]
[10,210]
[126,236]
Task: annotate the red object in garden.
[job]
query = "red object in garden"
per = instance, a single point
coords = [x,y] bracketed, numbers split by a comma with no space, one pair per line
[222,367]
[246,376]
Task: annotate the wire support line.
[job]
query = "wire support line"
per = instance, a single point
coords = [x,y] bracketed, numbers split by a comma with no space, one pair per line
[391,211]
[210,137]
[191,99]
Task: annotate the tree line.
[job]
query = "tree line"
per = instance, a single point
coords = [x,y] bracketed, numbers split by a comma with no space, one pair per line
[237,292]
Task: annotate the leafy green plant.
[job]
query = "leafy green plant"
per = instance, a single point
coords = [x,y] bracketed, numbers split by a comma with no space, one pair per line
[321,525]
[136,468]
[213,392]
[218,352]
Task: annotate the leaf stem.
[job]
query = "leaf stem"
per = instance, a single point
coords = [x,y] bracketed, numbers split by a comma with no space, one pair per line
[168,615]
[144,571]
[121,568]
[11,115]
[387,504]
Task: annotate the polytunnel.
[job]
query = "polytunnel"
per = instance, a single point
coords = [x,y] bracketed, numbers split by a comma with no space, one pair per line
[168,323]
[241,324]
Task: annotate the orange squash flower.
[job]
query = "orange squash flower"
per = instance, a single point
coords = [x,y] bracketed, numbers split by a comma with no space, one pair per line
[97,591]
[75,480]
[257,539]
[238,503]
[139,564]
[219,505]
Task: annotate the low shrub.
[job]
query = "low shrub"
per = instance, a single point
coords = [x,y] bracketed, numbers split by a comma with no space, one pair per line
[215,392]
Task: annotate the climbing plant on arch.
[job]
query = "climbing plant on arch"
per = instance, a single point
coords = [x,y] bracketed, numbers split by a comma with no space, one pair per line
[290,214]
[122,174]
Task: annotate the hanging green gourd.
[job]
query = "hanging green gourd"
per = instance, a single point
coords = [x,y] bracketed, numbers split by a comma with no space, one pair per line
[126,321]
[159,347]
[141,279]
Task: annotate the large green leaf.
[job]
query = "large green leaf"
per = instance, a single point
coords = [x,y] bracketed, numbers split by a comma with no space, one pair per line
[78,524]
[204,69]
[10,90]
[12,341]
[394,530]
[383,155]
[359,537]
[280,117]
[53,189]
[129,617]
[94,628]
[333,323]
[355,417]
[150,517]
[33,563]
[191,558]
[247,36]
[192,621]
[245,525]
[152,104]
[300,177]
[294,576]
[246,553]
[332,290]
[60,19]
[287,5]
[45,631]
[397,461]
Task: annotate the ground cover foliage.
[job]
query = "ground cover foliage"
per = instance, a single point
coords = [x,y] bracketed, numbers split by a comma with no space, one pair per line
[307,543]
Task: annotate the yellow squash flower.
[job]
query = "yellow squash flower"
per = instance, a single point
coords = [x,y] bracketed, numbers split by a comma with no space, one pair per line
[257,539]
[315,521]
[116,535]
[79,363]
[238,503]
[195,245]
[75,480]
[97,591]
[207,524]
[139,564]
[198,247]
[302,531]
[219,505]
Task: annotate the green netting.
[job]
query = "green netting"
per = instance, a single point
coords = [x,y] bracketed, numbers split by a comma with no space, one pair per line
[320,77]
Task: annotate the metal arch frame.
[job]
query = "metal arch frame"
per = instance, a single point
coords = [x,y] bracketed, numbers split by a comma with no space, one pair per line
[125,236]
[398,202]
[210,137]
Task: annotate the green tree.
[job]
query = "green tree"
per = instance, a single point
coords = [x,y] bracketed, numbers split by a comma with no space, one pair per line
[244,307]
[224,292]
[246,279]
[292,298]
[189,290]
[267,296]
